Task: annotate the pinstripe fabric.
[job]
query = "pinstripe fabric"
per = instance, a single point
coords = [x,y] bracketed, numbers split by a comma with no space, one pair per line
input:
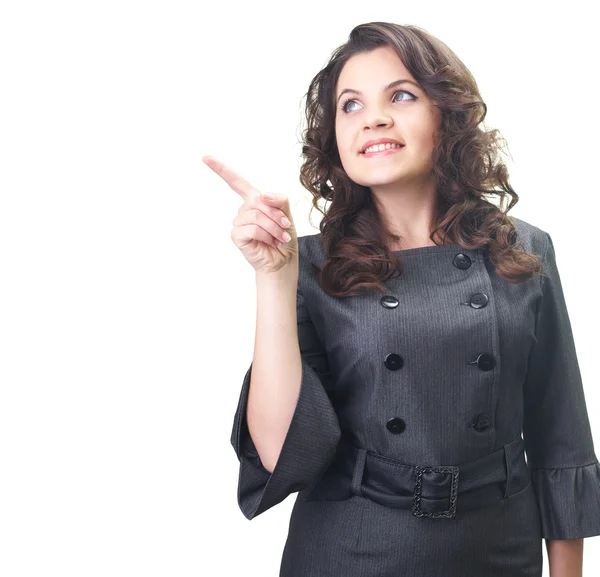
[349,390]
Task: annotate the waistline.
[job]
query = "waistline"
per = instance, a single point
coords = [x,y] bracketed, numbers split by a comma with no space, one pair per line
[428,491]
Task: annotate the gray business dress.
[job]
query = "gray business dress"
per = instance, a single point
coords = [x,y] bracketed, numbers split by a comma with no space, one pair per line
[454,383]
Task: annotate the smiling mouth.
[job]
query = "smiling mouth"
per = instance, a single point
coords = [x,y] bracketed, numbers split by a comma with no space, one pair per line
[383,152]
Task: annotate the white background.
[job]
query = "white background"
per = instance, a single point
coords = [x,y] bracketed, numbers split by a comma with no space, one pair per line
[127,313]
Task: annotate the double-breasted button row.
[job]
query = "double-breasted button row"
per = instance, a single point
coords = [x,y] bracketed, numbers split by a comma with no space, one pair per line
[482,422]
[484,361]
[477,301]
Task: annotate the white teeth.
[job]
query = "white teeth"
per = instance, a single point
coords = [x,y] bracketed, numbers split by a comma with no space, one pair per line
[380,147]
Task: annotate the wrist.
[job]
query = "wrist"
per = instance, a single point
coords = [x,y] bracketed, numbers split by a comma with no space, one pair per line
[288,274]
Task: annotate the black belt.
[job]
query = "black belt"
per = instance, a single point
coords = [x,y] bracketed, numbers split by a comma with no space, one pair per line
[429,491]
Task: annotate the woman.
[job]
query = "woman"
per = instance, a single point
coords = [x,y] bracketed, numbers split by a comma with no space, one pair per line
[401,352]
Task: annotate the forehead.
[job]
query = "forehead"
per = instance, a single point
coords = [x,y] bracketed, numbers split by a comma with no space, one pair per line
[372,70]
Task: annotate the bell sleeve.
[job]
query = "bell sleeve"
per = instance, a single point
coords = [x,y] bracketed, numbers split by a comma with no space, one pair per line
[556,429]
[312,437]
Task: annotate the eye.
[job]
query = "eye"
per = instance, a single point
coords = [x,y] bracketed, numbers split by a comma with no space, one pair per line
[348,100]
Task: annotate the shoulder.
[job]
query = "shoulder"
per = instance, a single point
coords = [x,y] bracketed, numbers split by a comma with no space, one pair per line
[531,238]
[309,243]
[311,257]
[310,249]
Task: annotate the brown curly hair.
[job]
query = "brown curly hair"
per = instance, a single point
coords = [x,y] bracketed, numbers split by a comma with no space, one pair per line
[465,164]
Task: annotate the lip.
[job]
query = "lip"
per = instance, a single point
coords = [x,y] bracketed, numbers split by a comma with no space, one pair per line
[379,141]
[382,152]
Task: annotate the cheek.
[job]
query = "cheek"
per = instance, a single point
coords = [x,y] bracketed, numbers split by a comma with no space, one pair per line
[423,132]
[344,144]
[345,161]
[420,144]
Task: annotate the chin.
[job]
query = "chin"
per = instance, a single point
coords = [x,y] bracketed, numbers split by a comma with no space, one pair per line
[381,180]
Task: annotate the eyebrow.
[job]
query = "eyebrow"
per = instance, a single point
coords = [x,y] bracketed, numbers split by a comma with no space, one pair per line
[385,88]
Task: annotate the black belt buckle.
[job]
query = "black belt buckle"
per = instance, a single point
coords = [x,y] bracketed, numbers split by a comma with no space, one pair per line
[448,513]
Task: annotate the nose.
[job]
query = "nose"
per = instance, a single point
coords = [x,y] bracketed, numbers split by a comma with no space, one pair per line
[378,120]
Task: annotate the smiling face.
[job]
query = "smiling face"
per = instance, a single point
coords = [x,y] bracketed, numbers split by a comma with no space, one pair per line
[402,112]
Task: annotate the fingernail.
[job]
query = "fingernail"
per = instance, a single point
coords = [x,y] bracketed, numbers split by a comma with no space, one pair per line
[268,196]
[286,237]
[285,222]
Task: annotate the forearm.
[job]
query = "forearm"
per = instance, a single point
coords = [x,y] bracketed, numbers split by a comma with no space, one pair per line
[276,368]
[565,557]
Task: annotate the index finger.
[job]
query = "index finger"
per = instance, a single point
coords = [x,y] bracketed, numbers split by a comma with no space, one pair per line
[232,178]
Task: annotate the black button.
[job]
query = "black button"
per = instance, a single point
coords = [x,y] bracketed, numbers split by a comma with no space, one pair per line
[393,362]
[462,261]
[396,425]
[484,362]
[482,422]
[479,300]
[389,301]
